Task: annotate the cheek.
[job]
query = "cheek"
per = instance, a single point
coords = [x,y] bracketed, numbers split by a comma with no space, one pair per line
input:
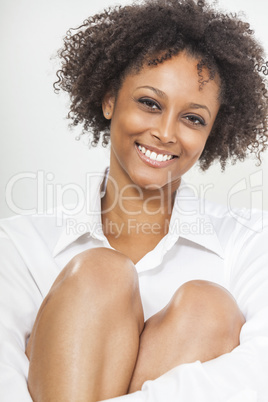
[194,144]
[130,122]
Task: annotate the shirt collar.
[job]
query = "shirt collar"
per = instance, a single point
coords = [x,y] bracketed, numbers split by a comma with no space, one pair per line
[188,220]
[191,221]
[86,218]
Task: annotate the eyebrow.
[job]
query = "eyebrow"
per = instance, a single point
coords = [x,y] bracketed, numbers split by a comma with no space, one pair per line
[164,96]
[197,106]
[156,91]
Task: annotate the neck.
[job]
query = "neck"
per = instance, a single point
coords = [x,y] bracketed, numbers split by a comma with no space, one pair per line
[126,206]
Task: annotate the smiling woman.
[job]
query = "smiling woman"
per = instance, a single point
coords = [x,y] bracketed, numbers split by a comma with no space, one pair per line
[157,109]
[152,302]
[208,36]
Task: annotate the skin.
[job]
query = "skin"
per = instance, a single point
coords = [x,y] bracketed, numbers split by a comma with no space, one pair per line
[155,108]
[89,341]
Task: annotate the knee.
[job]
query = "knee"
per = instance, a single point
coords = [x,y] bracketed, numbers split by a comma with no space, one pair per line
[207,310]
[101,278]
[104,268]
[98,268]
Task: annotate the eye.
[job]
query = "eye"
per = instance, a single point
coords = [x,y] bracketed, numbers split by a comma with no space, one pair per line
[149,104]
[195,120]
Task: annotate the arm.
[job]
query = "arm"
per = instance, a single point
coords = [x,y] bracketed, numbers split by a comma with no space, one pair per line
[19,303]
[239,376]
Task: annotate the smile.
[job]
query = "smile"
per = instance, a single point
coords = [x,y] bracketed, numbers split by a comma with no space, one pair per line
[154,156]
[154,159]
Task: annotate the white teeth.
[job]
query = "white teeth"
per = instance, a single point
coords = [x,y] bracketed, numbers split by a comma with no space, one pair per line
[160,158]
[154,156]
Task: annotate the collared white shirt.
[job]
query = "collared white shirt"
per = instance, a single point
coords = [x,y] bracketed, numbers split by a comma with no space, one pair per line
[205,241]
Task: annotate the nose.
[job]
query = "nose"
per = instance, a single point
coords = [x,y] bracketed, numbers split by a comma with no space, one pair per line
[166,129]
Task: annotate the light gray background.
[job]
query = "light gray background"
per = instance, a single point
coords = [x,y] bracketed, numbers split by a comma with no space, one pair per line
[34,132]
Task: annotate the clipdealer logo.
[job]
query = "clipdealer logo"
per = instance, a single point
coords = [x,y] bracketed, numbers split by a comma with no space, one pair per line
[132,226]
[252,189]
[50,198]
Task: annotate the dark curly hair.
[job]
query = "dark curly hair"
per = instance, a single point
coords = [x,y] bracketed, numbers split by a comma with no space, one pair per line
[100,53]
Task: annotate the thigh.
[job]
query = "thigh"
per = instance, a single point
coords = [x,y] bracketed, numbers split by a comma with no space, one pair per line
[85,340]
[102,275]
[201,322]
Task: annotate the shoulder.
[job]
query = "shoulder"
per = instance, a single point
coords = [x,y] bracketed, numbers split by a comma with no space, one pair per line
[26,248]
[21,229]
[235,226]
[229,226]
[239,218]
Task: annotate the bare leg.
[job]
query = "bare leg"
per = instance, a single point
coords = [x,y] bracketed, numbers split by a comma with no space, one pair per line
[85,339]
[201,322]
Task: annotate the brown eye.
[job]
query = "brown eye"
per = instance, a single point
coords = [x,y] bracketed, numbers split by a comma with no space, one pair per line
[149,103]
[195,120]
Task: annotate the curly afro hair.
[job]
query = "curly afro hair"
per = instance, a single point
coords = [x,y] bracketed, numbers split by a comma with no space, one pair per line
[100,53]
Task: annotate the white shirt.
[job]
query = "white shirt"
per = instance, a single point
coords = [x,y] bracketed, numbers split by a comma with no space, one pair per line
[205,241]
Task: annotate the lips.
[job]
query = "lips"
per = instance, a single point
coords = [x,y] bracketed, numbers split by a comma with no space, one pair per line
[154,157]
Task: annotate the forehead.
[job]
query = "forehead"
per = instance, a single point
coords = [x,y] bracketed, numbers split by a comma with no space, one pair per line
[180,75]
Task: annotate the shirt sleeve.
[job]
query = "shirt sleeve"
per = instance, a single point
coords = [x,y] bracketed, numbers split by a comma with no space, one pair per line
[239,376]
[19,303]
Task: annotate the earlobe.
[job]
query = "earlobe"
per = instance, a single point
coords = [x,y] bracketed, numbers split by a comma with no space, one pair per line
[108,105]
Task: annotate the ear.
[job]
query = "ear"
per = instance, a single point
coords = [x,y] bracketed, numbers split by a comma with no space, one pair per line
[108,104]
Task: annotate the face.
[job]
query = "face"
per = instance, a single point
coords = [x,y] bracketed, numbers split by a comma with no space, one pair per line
[160,122]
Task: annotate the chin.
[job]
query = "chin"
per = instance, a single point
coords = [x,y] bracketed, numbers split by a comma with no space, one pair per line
[150,182]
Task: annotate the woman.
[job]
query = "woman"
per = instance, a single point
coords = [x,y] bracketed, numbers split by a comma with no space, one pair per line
[169,83]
